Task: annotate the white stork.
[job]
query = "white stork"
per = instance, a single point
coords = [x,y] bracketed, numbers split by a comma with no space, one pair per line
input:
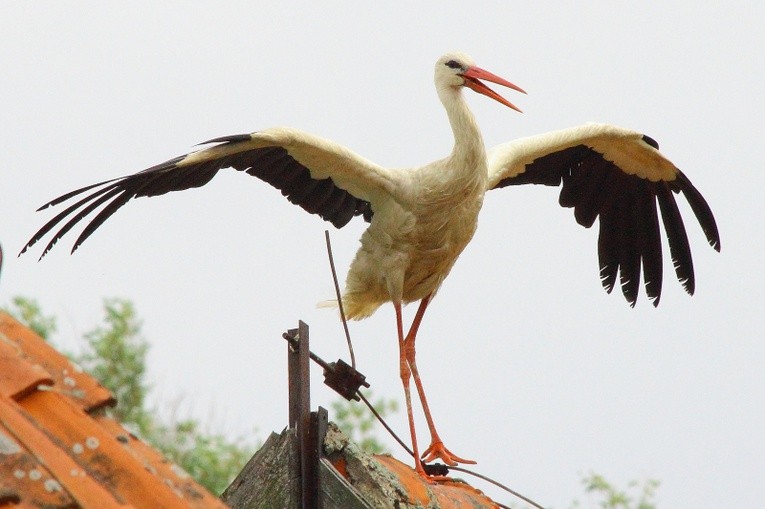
[420,219]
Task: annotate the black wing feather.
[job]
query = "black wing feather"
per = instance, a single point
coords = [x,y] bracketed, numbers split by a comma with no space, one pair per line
[594,193]
[72,194]
[103,197]
[279,169]
[700,208]
[679,249]
[608,249]
[121,199]
[316,197]
[652,256]
[273,165]
[630,247]
[630,235]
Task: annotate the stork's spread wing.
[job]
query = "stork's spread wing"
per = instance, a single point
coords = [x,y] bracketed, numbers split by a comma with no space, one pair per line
[616,175]
[322,177]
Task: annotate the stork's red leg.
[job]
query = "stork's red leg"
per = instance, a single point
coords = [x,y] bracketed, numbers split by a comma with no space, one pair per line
[406,374]
[436,448]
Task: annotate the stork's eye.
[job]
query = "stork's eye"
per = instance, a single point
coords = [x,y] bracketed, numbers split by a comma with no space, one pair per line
[453,64]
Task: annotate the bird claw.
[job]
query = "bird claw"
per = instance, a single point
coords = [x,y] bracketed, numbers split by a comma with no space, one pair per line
[436,450]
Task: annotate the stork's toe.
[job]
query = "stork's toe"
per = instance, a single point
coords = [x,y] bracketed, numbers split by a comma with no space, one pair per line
[438,451]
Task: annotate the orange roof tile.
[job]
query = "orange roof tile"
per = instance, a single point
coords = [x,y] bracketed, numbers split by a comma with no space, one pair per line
[384,481]
[58,451]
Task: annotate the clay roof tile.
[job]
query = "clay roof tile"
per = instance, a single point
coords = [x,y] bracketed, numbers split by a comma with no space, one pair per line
[57,450]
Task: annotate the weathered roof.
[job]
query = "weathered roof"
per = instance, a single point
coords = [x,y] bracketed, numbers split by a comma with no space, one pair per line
[387,482]
[348,478]
[58,449]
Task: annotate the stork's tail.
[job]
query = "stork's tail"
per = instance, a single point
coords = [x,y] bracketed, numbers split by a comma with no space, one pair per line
[331,303]
[354,310]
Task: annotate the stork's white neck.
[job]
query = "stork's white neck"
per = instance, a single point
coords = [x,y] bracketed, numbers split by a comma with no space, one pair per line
[468,142]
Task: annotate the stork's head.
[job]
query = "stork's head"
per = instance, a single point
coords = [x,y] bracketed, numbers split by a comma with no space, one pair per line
[456,70]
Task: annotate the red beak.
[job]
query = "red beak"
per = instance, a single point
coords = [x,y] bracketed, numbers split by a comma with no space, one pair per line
[474,74]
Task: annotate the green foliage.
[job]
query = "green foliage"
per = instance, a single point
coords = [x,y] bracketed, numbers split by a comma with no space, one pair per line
[28,312]
[212,459]
[360,424]
[637,495]
[116,356]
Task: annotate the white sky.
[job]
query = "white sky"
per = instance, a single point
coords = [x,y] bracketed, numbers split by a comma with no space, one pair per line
[531,368]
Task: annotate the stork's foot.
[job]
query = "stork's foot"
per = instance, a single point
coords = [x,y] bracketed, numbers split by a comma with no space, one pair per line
[438,451]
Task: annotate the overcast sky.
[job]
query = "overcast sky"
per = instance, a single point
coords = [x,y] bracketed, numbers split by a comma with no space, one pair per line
[531,368]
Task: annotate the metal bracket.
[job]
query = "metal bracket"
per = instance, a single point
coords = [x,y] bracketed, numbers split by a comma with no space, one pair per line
[344,380]
[338,375]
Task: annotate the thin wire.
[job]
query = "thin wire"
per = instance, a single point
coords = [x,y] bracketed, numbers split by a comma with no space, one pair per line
[385,424]
[459,469]
[339,299]
[499,485]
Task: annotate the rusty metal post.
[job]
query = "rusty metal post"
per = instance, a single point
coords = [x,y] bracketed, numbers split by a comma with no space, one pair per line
[300,418]
[298,358]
